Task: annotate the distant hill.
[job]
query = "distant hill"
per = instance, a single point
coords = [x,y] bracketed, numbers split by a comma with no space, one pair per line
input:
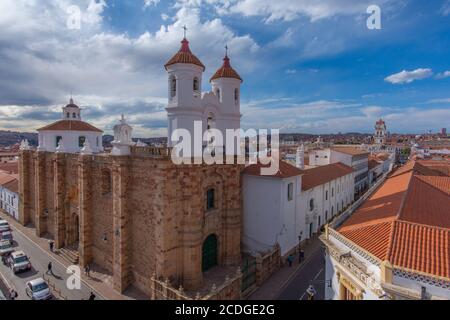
[9,138]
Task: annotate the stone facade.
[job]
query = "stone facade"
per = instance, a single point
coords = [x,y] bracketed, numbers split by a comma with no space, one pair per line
[135,216]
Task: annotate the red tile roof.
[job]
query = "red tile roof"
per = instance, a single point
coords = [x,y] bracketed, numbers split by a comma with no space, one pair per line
[373,164]
[323,174]
[9,182]
[70,125]
[226,71]
[184,55]
[285,170]
[406,221]
[10,167]
[350,150]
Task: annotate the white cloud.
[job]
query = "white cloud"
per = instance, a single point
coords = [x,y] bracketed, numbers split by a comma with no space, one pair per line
[445,10]
[443,100]
[150,3]
[288,10]
[409,76]
[443,75]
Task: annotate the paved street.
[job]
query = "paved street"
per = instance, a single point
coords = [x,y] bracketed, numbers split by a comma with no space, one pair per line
[312,272]
[39,260]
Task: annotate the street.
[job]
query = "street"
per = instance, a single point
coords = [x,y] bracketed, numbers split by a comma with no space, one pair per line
[39,260]
[311,272]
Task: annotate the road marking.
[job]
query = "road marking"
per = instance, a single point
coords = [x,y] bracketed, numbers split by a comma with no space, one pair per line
[318,274]
[57,261]
[301,298]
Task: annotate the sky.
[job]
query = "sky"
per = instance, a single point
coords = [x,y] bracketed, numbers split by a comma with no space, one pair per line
[308,66]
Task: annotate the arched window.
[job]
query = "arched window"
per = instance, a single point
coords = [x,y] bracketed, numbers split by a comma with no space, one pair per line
[218,94]
[196,85]
[236,96]
[58,139]
[106,181]
[173,86]
[81,141]
[74,115]
[68,115]
[311,205]
[210,199]
[209,253]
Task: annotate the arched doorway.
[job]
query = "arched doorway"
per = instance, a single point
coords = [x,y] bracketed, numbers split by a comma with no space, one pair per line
[209,253]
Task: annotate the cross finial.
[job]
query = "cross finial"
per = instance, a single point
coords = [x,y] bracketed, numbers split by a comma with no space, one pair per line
[185,30]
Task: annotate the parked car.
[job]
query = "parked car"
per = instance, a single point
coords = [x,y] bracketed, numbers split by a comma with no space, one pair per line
[5,248]
[38,289]
[7,236]
[18,261]
[4,226]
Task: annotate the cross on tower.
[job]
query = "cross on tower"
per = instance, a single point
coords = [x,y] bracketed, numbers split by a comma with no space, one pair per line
[226,50]
[185,29]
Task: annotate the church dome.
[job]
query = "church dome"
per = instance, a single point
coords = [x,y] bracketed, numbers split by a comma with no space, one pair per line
[226,71]
[184,55]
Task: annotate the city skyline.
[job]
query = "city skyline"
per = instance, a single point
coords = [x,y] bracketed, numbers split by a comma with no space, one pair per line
[307,68]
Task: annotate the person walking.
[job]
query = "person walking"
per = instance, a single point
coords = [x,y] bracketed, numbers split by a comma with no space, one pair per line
[87,270]
[50,268]
[301,256]
[51,244]
[311,292]
[290,259]
[13,294]
[92,296]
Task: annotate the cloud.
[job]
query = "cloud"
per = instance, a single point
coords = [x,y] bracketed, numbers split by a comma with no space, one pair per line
[443,75]
[150,3]
[288,10]
[41,62]
[443,100]
[409,76]
[445,9]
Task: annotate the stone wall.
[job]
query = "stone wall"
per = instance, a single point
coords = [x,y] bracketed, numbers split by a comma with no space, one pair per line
[133,216]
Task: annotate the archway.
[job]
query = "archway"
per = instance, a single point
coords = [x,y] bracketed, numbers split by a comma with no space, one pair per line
[209,253]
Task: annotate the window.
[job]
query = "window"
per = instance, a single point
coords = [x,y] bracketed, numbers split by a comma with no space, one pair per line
[81,141]
[326,195]
[196,85]
[74,115]
[218,94]
[290,191]
[58,139]
[97,141]
[173,86]
[332,211]
[236,96]
[210,199]
[332,192]
[326,215]
[311,205]
[68,115]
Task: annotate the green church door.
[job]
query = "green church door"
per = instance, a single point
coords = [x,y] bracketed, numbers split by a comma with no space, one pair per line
[209,253]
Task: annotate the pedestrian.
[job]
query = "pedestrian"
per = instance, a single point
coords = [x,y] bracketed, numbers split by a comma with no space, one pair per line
[13,294]
[87,270]
[51,245]
[290,259]
[49,268]
[302,255]
[311,292]
[92,296]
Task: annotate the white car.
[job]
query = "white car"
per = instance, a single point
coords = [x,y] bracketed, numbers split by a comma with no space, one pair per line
[4,226]
[38,289]
[19,262]
[7,236]
[5,248]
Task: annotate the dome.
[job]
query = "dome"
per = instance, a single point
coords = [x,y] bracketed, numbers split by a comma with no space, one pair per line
[184,55]
[226,71]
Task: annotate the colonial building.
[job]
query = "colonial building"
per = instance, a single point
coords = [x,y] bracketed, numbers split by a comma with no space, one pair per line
[380,132]
[9,194]
[293,204]
[162,227]
[396,245]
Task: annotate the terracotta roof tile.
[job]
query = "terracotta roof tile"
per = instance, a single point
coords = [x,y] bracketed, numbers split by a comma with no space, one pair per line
[184,55]
[406,221]
[226,71]
[350,150]
[70,125]
[10,167]
[323,174]
[285,170]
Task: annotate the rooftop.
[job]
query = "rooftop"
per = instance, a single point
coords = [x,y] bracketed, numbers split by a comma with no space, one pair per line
[285,170]
[226,71]
[407,221]
[323,174]
[70,125]
[184,55]
[350,151]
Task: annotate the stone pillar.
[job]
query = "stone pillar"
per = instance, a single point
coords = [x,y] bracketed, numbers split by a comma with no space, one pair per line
[121,225]
[85,213]
[59,193]
[40,197]
[192,256]
[231,246]
[24,186]
[386,272]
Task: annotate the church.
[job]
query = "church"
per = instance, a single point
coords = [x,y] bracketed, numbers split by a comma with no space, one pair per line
[132,211]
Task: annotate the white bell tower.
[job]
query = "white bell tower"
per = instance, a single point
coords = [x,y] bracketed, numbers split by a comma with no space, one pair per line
[122,139]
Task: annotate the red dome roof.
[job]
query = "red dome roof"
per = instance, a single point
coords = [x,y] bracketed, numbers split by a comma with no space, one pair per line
[184,56]
[226,71]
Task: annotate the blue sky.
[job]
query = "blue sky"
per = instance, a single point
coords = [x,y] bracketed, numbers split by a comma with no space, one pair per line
[308,66]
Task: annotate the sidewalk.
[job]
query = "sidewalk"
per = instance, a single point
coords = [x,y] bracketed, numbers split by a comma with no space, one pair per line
[271,289]
[99,281]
